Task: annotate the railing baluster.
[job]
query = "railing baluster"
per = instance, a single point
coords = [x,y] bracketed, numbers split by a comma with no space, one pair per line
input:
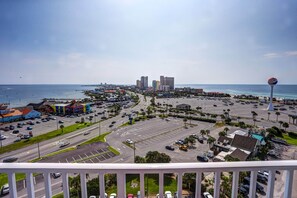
[30,185]
[83,185]
[198,185]
[217,184]
[253,183]
[289,182]
[235,184]
[65,185]
[161,185]
[102,184]
[142,192]
[180,184]
[48,185]
[12,185]
[121,184]
[270,187]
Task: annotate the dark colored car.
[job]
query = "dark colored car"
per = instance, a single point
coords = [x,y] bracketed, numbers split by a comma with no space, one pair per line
[171,148]
[10,160]
[202,158]
[15,131]
[29,128]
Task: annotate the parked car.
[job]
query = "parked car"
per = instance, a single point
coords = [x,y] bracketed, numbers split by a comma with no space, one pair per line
[129,141]
[113,122]
[171,148]
[207,195]
[168,194]
[113,195]
[87,132]
[130,196]
[110,125]
[29,128]
[10,160]
[56,175]
[15,131]
[2,137]
[4,189]
[202,158]
[11,127]
[61,122]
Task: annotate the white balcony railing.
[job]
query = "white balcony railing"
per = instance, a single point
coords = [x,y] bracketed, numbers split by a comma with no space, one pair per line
[122,169]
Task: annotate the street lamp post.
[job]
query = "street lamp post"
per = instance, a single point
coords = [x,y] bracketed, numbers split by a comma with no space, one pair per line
[134,150]
[99,129]
[38,150]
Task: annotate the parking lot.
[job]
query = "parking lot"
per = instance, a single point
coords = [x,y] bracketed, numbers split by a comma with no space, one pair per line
[155,134]
[94,153]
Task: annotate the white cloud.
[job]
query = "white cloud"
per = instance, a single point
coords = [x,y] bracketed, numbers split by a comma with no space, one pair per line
[291,53]
[280,54]
[272,55]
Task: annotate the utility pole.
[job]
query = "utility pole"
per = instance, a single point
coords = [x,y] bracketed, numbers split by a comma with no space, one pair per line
[38,150]
[99,129]
[134,150]
[57,125]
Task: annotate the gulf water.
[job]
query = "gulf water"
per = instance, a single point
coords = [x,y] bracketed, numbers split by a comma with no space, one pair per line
[20,95]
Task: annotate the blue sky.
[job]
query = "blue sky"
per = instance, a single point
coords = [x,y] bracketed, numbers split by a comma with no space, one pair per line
[207,42]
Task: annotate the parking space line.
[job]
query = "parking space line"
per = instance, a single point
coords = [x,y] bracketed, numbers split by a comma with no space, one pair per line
[86,155]
[66,160]
[92,153]
[80,156]
[73,159]
[91,160]
[98,159]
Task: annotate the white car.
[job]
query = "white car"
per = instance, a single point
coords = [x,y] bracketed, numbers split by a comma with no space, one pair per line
[2,137]
[113,195]
[207,195]
[4,189]
[129,141]
[168,194]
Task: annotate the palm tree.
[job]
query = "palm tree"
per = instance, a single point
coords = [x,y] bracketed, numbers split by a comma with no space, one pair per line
[210,141]
[285,125]
[268,115]
[202,132]
[280,124]
[62,128]
[277,114]
[226,129]
[207,132]
[185,121]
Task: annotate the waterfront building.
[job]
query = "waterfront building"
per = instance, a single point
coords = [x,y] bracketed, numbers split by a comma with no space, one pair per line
[144,82]
[71,108]
[20,113]
[156,85]
[138,83]
[170,82]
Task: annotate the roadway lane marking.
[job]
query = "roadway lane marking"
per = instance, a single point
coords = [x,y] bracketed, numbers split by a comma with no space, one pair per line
[40,189]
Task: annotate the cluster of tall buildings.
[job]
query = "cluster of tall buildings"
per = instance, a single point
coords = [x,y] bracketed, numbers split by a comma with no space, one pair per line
[164,84]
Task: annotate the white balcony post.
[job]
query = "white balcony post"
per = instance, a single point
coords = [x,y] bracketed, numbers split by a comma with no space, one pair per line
[121,183]
[161,185]
[235,184]
[253,183]
[102,184]
[65,185]
[270,187]
[142,192]
[83,185]
[289,182]
[47,185]
[180,184]
[12,185]
[198,185]
[30,185]
[217,184]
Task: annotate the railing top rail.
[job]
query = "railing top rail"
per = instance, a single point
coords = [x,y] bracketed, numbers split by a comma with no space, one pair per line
[166,167]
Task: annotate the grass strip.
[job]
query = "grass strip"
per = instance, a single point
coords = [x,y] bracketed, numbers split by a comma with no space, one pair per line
[43,137]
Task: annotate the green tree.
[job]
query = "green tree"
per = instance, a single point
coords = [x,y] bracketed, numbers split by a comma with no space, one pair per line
[139,159]
[62,128]
[202,132]
[286,125]
[280,124]
[156,157]
[277,114]
[210,141]
[222,133]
